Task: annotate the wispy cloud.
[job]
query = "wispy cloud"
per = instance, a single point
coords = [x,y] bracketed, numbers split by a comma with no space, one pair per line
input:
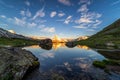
[39,13]
[48,29]
[27,3]
[61,14]
[116,2]
[65,2]
[21,22]
[26,13]
[2,16]
[22,12]
[53,14]
[87,18]
[88,2]
[68,20]
[83,8]
[82,27]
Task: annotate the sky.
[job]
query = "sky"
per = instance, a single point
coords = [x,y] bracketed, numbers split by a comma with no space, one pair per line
[65,18]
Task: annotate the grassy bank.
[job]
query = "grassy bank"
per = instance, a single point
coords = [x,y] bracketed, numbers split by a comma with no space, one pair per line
[108,65]
[16,42]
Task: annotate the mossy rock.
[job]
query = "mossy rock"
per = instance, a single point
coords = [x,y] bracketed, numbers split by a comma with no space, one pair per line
[8,76]
[36,63]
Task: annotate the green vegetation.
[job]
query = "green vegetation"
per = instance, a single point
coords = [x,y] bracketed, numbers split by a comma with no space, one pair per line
[99,64]
[16,42]
[109,36]
[36,63]
[103,64]
[57,77]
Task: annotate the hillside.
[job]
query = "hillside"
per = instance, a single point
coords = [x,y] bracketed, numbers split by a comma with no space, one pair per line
[10,39]
[7,34]
[109,36]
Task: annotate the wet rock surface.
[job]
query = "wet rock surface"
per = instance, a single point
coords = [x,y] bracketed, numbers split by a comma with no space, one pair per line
[15,62]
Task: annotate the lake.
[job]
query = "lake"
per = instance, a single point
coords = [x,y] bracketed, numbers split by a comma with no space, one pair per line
[65,63]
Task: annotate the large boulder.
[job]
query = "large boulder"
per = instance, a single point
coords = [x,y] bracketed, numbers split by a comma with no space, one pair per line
[15,63]
[46,44]
[70,44]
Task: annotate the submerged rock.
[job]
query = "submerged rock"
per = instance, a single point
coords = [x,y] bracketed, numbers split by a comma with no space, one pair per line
[15,62]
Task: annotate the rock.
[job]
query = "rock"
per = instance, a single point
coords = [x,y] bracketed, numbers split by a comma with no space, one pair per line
[46,44]
[71,44]
[15,62]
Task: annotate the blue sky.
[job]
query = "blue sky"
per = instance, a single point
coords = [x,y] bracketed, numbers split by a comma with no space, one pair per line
[65,18]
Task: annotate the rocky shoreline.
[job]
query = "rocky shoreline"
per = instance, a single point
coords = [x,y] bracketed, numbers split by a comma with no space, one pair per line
[15,63]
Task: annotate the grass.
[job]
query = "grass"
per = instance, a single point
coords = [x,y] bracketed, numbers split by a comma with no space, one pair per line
[103,64]
[100,41]
[16,42]
[109,34]
[99,64]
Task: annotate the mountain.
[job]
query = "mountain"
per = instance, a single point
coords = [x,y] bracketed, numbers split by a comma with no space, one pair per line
[110,35]
[7,34]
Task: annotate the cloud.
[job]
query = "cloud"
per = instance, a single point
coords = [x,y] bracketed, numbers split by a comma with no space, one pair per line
[87,18]
[88,2]
[39,13]
[53,14]
[31,24]
[83,8]
[65,2]
[116,2]
[61,14]
[48,29]
[27,3]
[68,20]
[26,13]
[22,22]
[47,55]
[22,13]
[2,16]
[80,26]
[19,22]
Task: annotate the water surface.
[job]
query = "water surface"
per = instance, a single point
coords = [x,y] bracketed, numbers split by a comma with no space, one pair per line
[63,63]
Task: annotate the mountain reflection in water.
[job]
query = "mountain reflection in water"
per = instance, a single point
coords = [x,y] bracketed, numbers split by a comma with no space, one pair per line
[64,63]
[56,46]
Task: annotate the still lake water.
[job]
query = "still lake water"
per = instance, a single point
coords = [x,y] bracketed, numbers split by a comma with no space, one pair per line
[63,63]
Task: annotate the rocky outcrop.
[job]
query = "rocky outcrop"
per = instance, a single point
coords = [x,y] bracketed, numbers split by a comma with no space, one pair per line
[15,62]
[46,44]
[7,34]
[71,44]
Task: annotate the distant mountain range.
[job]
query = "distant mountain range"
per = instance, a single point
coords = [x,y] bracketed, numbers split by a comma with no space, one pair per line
[108,36]
[7,34]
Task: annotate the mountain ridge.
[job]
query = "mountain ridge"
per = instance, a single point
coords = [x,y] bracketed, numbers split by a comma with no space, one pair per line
[7,34]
